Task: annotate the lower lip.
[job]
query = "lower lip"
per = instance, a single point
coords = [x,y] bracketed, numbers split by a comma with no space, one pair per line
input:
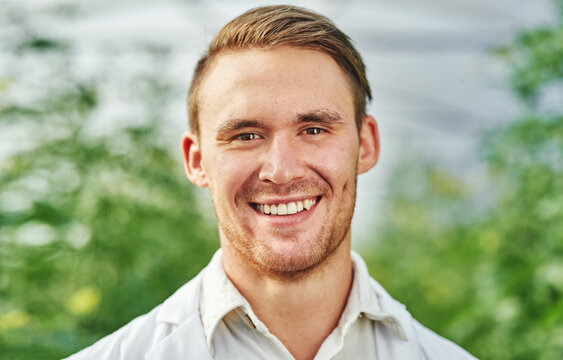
[288,220]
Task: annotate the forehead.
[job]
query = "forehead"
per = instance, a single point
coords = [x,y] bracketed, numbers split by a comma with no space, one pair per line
[274,84]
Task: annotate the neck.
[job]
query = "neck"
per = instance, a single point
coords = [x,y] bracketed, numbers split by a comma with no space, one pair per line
[301,311]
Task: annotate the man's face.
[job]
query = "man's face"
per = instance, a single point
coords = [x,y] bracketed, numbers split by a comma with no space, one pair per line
[279,150]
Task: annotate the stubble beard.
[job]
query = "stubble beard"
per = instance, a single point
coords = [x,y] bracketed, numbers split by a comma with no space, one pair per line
[309,255]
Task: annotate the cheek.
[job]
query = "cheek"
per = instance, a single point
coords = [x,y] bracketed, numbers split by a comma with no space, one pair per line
[227,173]
[335,160]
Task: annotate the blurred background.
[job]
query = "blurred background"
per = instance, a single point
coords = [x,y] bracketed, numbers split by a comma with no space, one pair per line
[462,219]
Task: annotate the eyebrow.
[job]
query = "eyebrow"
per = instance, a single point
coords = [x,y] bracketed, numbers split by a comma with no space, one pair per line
[232,125]
[326,117]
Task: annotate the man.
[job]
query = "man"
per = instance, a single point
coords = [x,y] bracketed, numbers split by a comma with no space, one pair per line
[279,134]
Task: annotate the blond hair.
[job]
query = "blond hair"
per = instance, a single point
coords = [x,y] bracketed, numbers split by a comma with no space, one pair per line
[284,25]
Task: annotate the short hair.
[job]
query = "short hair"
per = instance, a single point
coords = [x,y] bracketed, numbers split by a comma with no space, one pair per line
[284,25]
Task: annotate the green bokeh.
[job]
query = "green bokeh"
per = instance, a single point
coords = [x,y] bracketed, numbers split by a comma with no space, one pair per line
[491,280]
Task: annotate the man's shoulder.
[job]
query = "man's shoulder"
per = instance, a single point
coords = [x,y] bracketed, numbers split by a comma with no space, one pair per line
[421,339]
[146,333]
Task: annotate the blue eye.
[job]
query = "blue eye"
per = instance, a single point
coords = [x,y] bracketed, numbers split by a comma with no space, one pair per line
[314,131]
[247,137]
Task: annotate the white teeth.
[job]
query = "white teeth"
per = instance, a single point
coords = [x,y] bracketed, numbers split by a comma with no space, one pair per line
[291,208]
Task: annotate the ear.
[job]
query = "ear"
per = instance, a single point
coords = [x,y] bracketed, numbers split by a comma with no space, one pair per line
[369,144]
[192,160]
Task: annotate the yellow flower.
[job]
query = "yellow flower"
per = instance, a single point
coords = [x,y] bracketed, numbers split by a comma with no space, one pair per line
[84,300]
[13,319]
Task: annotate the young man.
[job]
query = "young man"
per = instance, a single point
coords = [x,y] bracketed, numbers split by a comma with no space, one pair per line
[279,134]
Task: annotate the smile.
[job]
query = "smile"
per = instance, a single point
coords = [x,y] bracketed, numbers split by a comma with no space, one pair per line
[289,208]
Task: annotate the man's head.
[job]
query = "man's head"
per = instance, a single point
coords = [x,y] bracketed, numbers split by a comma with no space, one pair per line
[279,145]
[276,26]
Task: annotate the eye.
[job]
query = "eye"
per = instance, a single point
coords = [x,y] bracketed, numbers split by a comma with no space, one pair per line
[247,137]
[314,131]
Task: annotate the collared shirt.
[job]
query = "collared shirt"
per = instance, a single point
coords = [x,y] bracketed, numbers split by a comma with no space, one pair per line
[233,331]
[218,323]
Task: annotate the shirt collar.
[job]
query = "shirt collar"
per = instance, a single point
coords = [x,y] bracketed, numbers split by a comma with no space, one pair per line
[363,300]
[219,297]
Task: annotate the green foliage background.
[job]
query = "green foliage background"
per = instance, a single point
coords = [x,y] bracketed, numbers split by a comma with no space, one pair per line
[97,224]
[492,282]
[99,227]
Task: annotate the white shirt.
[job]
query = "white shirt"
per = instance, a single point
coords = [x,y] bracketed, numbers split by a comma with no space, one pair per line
[195,323]
[233,331]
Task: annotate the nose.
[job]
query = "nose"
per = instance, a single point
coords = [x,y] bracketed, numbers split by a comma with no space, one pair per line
[282,162]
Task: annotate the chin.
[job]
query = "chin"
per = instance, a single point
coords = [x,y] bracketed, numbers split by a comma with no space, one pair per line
[290,260]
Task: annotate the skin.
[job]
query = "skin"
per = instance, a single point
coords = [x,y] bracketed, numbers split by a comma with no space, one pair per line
[277,125]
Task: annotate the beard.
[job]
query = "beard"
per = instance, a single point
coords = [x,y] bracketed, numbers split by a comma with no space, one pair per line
[303,255]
